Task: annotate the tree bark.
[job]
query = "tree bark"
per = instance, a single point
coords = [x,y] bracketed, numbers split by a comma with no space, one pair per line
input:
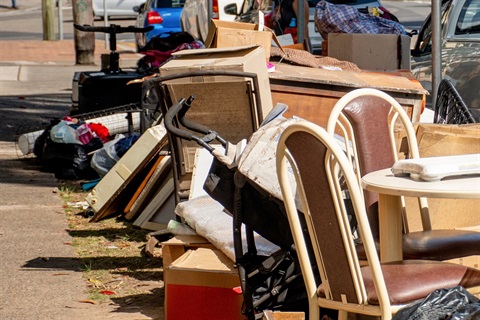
[84,41]
[48,16]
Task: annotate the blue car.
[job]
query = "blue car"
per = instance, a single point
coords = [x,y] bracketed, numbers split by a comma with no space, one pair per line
[163,15]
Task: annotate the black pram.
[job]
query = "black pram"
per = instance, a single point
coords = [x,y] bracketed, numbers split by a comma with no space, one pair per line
[268,282]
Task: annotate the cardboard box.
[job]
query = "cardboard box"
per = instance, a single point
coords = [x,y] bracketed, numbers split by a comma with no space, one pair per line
[200,285]
[175,247]
[471,261]
[439,140]
[371,51]
[223,34]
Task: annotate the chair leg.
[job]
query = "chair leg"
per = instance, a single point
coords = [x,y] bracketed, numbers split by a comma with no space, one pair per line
[342,315]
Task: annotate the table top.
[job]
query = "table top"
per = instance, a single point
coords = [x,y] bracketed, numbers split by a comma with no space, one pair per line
[384,182]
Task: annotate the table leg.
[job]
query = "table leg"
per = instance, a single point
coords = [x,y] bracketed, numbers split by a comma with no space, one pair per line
[390,224]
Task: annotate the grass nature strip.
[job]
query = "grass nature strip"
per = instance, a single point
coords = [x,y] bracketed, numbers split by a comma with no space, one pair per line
[111,256]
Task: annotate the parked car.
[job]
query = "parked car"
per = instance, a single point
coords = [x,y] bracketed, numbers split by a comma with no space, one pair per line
[195,18]
[460,51]
[122,8]
[163,15]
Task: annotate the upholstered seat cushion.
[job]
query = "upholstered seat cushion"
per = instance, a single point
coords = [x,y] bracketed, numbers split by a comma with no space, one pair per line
[410,280]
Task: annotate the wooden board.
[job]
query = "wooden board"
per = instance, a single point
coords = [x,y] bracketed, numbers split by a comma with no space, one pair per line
[142,185]
[146,194]
[110,196]
[162,198]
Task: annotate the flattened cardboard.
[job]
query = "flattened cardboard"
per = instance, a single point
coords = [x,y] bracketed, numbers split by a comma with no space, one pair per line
[439,140]
[371,51]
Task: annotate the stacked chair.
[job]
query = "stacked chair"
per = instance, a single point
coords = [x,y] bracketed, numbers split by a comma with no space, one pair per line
[366,119]
[323,173]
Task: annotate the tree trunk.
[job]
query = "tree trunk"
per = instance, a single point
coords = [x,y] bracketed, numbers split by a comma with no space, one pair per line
[84,41]
[48,15]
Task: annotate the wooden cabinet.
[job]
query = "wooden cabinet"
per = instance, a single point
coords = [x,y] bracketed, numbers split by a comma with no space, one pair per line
[311,93]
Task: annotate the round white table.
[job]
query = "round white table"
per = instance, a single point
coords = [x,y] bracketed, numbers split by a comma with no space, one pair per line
[391,189]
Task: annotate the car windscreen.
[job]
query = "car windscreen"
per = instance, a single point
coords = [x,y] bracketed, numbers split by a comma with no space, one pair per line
[351,2]
[469,18]
[168,3]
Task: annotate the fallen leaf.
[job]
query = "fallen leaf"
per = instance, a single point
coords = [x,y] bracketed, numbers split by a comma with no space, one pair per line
[88,301]
[107,292]
[96,283]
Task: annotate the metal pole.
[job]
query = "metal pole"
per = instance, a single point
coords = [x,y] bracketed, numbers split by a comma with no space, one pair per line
[210,12]
[105,20]
[301,21]
[436,49]
[60,20]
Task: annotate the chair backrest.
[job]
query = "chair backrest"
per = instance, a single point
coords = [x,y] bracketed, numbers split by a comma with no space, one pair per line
[366,119]
[450,107]
[317,162]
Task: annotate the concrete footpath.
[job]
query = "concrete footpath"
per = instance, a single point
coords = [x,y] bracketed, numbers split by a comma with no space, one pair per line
[39,275]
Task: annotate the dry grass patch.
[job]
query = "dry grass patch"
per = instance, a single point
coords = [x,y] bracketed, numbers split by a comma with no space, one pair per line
[111,256]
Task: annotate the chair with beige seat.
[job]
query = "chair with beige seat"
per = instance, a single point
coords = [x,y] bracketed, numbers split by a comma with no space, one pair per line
[375,289]
[367,119]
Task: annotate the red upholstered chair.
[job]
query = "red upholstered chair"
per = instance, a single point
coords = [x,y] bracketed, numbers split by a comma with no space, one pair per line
[366,118]
[375,289]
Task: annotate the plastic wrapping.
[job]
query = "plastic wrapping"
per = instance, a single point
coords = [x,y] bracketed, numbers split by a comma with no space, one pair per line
[105,158]
[207,218]
[453,304]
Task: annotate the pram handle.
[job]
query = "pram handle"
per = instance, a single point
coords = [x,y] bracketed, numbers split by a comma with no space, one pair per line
[183,134]
[187,123]
[112,29]
[196,126]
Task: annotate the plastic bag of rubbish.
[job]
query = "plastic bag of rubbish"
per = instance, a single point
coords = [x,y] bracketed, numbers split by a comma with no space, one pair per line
[453,304]
[62,132]
[105,158]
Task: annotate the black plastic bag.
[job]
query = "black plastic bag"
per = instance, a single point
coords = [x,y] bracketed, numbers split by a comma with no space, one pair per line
[67,161]
[452,304]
